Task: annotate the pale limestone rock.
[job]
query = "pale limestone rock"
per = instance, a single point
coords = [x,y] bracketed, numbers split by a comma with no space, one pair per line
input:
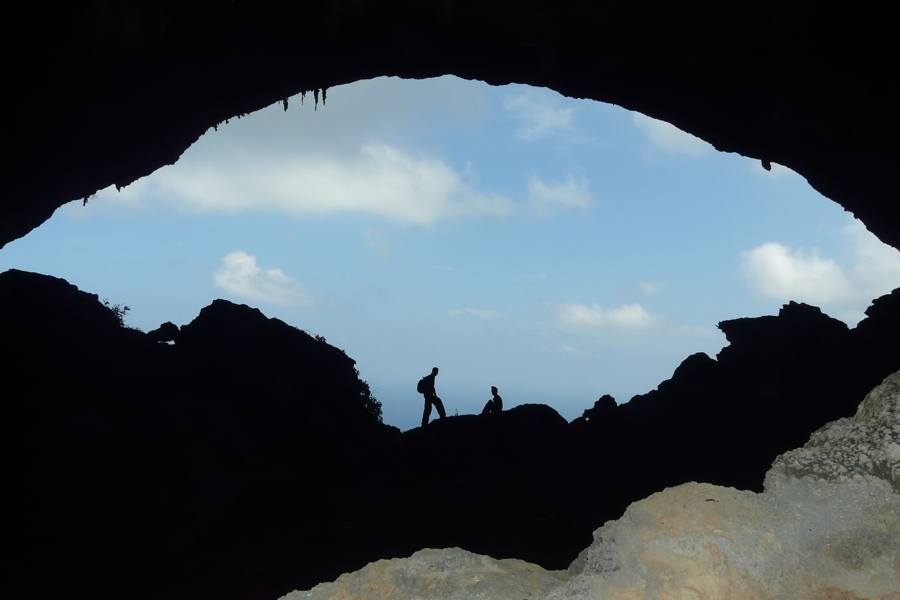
[827,527]
[865,447]
[700,541]
[450,574]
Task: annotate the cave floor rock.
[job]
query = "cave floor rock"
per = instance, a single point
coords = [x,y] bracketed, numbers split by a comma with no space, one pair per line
[826,527]
[451,574]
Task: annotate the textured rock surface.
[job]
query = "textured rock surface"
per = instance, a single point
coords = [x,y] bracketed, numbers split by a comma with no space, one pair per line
[451,574]
[865,447]
[827,527]
[809,540]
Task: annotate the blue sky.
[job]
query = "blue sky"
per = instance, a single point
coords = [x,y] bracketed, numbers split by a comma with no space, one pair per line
[557,248]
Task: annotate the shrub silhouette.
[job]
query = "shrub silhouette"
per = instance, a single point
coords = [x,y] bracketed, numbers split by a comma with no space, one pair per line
[118,310]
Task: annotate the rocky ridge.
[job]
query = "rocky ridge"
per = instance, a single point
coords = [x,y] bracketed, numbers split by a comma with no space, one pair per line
[827,526]
[194,458]
[451,574]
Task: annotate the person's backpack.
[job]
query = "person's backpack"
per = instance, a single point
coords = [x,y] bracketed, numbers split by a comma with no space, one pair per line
[422,385]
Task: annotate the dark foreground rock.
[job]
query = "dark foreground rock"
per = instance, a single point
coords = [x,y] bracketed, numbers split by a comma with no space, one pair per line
[827,526]
[240,457]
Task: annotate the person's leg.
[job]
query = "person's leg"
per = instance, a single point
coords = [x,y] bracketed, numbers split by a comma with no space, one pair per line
[427,412]
[440,406]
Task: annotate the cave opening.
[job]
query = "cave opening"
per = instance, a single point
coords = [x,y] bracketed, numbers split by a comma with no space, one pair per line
[125,476]
[561,249]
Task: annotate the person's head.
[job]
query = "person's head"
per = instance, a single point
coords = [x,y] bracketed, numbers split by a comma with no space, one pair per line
[434,371]
[494,390]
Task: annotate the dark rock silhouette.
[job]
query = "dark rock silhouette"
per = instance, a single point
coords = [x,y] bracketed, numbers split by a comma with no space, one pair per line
[167,332]
[248,458]
[603,408]
[150,77]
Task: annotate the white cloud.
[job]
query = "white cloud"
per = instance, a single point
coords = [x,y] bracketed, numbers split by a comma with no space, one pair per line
[377,179]
[651,288]
[776,271]
[480,313]
[877,265]
[668,138]
[627,315]
[571,193]
[537,115]
[241,276]
[337,160]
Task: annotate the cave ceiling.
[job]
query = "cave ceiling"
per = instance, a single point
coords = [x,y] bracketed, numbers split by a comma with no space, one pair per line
[101,93]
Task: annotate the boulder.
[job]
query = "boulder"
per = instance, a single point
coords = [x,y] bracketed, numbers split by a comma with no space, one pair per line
[167,332]
[827,526]
[604,407]
[451,574]
[863,449]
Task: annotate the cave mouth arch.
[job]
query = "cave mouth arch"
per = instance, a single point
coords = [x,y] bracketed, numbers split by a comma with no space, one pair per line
[569,165]
[141,82]
[780,86]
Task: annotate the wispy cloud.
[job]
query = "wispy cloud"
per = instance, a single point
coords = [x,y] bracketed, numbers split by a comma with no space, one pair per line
[479,313]
[667,138]
[651,288]
[594,315]
[240,275]
[538,115]
[378,179]
[549,197]
[777,271]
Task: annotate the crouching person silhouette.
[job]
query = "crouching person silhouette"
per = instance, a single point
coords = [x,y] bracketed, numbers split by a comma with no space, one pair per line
[494,406]
[426,388]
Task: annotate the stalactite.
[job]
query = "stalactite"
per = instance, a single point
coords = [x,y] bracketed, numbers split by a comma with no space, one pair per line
[284,102]
[324,93]
[302,96]
[316,97]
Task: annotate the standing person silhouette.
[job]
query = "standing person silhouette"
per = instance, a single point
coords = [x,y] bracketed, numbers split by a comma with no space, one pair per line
[426,388]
